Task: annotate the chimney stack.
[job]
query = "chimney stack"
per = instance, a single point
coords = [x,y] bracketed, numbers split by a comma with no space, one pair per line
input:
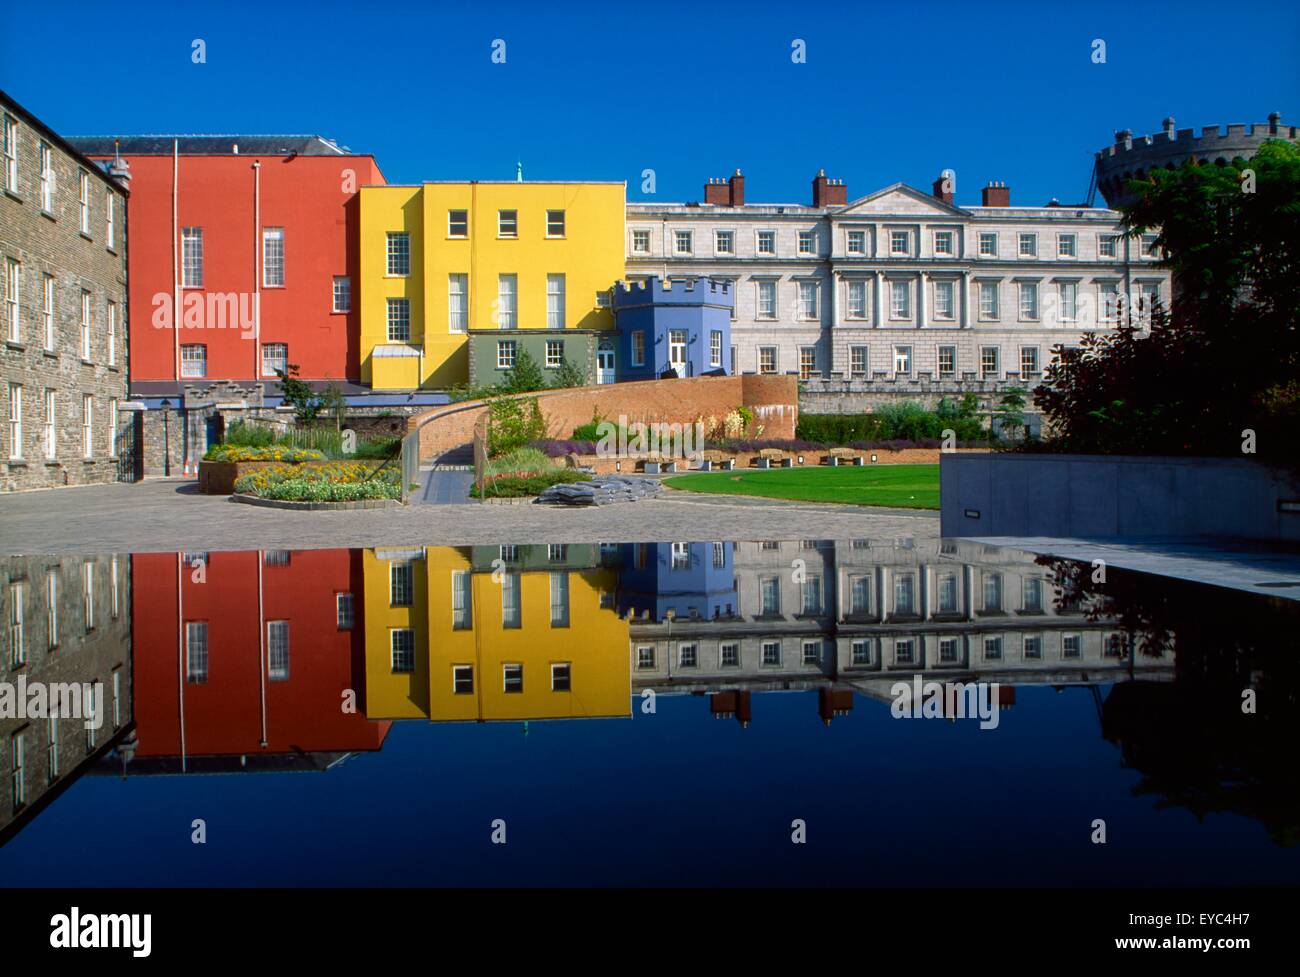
[725,193]
[828,193]
[942,188]
[997,194]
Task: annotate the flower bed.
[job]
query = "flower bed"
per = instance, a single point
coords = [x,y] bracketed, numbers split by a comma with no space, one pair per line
[518,484]
[336,481]
[273,452]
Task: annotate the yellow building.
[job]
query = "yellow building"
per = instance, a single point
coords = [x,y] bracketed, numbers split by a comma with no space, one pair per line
[447,641]
[442,259]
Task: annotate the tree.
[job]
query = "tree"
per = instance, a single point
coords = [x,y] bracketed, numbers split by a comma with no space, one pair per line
[334,404]
[1010,416]
[298,393]
[570,374]
[525,376]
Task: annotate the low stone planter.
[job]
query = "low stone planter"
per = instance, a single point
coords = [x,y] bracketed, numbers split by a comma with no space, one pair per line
[219,477]
[311,506]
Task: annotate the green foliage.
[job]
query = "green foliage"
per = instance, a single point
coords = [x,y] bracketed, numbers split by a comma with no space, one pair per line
[518,486]
[901,486]
[1010,415]
[525,376]
[274,452]
[336,482]
[903,421]
[838,429]
[249,435]
[321,442]
[514,422]
[570,374]
[334,403]
[461,392]
[521,461]
[298,394]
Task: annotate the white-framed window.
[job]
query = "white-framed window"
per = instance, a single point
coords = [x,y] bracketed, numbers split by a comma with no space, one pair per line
[555,223]
[401,648]
[458,302]
[859,594]
[1149,248]
[902,361]
[11,153]
[989,300]
[808,292]
[900,300]
[638,348]
[992,591]
[603,300]
[462,600]
[807,243]
[1067,246]
[900,243]
[457,223]
[344,611]
[554,354]
[1148,299]
[45,159]
[766,299]
[645,656]
[948,601]
[947,362]
[771,653]
[462,680]
[855,242]
[507,301]
[272,257]
[13,301]
[1033,647]
[945,300]
[342,294]
[993,648]
[724,242]
[715,348]
[50,436]
[559,599]
[88,594]
[561,676]
[507,223]
[767,359]
[1028,245]
[1108,300]
[1067,300]
[398,254]
[194,360]
[88,425]
[856,306]
[640,241]
[858,361]
[47,311]
[401,584]
[505,354]
[729,655]
[399,320]
[943,243]
[1029,300]
[555,302]
[511,605]
[18,773]
[83,199]
[112,333]
[988,244]
[52,754]
[275,356]
[1029,361]
[681,556]
[990,367]
[52,608]
[905,593]
[861,651]
[1031,596]
[765,243]
[812,652]
[1071,645]
[904,651]
[807,362]
[112,427]
[16,421]
[810,594]
[512,678]
[85,325]
[110,220]
[770,595]
[683,241]
[1107,245]
[191,257]
[277,651]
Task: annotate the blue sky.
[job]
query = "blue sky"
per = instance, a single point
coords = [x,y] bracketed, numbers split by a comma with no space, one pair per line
[889,91]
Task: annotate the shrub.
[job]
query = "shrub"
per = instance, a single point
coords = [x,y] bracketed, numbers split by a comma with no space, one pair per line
[570,374]
[838,428]
[523,484]
[249,435]
[515,421]
[526,459]
[525,376]
[335,482]
[560,449]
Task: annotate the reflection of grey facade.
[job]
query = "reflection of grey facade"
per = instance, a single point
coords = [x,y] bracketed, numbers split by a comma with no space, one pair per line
[68,621]
[864,612]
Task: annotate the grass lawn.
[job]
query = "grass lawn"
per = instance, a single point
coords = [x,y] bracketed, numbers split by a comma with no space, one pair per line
[899,486]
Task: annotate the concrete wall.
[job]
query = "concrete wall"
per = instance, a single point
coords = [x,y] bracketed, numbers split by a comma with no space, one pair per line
[1108,496]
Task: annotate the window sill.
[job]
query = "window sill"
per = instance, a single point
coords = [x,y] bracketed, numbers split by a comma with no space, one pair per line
[86,362]
[191,288]
[88,461]
[111,250]
[12,345]
[272,288]
[113,368]
[12,196]
[53,463]
[17,463]
[340,311]
[52,354]
[48,214]
[86,236]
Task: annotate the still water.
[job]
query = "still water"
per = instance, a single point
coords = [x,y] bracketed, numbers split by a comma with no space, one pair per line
[675,713]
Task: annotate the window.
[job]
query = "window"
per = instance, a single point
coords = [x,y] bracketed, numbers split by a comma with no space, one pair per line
[1068,301]
[645,657]
[275,356]
[561,677]
[1114,646]
[808,300]
[52,607]
[1109,295]
[47,311]
[688,656]
[724,242]
[719,555]
[810,595]
[15,421]
[462,680]
[905,594]
[603,299]
[399,253]
[861,650]
[770,596]
[1028,361]
[1149,298]
[767,300]
[1067,246]
[13,307]
[505,354]
[1149,249]
[807,243]
[342,293]
[277,651]
[992,591]
[1033,646]
[683,242]
[51,426]
[507,295]
[988,244]
[112,427]
[807,361]
[904,651]
[52,757]
[765,242]
[989,365]
[457,303]
[856,242]
[18,778]
[110,224]
[344,612]
[88,425]
[947,362]
[554,353]
[944,300]
[85,325]
[510,604]
[117,699]
[273,257]
[555,223]
[992,649]
[640,241]
[948,651]
[1070,646]
[988,300]
[859,594]
[812,653]
[513,678]
[559,600]
[771,653]
[191,257]
[45,159]
[857,361]
[1107,245]
[856,307]
[11,153]
[507,223]
[194,360]
[638,348]
[1029,245]
[401,647]
[83,180]
[112,333]
[401,584]
[729,655]
[462,600]
[1032,594]
[903,361]
[900,300]
[554,301]
[943,243]
[715,348]
[1029,300]
[399,320]
[899,243]
[948,593]
[196,652]
[458,223]
[767,359]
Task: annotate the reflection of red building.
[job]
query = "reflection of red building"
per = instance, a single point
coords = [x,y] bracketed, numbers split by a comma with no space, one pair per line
[249,654]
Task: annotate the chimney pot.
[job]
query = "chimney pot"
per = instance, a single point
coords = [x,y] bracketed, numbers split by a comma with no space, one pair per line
[996,194]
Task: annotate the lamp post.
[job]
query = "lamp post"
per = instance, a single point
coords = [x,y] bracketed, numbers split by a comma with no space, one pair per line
[166,406]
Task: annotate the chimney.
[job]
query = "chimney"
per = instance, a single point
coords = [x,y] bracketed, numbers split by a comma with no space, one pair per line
[943,188]
[828,193]
[717,192]
[1168,125]
[119,169]
[997,194]
[737,184]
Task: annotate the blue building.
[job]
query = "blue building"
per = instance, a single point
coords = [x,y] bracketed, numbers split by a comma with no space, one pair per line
[693,581]
[682,327]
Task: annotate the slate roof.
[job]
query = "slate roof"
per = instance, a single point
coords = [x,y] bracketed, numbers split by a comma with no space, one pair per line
[210,145]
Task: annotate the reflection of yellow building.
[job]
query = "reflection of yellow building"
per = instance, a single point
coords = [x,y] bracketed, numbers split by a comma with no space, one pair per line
[449,642]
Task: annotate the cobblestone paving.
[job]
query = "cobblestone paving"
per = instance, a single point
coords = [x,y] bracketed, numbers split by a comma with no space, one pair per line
[170,515]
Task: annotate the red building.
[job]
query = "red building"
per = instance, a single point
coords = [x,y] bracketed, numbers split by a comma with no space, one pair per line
[245,660]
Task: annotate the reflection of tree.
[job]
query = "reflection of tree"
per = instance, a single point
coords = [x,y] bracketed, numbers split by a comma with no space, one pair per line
[1191,740]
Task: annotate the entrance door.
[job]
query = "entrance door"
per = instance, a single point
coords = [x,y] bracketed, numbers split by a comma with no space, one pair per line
[677,351]
[605,361]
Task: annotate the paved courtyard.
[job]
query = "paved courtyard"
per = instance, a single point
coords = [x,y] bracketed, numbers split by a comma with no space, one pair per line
[170,515]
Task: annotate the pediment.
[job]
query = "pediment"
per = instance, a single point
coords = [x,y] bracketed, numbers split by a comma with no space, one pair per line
[900,199]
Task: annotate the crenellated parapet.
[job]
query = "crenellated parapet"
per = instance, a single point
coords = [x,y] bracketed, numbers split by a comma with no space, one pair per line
[657,291]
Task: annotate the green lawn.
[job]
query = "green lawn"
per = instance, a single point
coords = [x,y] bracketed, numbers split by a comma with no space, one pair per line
[899,486]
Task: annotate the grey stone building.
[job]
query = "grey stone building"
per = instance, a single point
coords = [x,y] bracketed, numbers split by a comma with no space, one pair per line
[63,372]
